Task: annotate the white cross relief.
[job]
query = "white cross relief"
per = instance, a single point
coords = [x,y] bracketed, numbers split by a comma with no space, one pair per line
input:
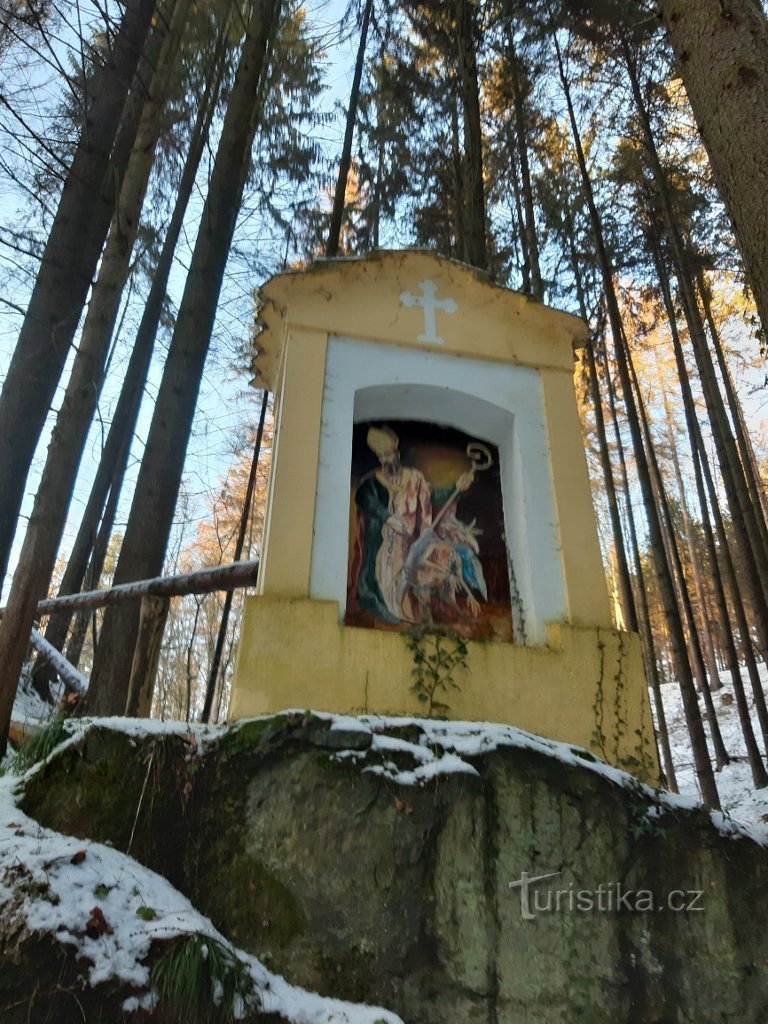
[429,303]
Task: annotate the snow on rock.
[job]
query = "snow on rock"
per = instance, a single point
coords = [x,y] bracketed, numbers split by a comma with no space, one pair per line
[444,747]
[91,897]
[742,804]
[54,883]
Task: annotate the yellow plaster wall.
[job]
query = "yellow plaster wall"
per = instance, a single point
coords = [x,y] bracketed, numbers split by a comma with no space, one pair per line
[361,299]
[288,530]
[295,654]
[585,585]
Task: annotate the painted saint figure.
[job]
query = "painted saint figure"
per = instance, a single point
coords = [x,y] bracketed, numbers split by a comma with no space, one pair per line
[395,505]
[401,560]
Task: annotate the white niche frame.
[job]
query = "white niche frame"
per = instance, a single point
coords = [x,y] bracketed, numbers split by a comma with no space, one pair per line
[495,402]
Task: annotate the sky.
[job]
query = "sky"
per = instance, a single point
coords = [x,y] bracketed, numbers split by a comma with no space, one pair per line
[227,404]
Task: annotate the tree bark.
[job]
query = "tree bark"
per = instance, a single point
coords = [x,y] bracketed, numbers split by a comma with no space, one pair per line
[721,48]
[459,243]
[677,573]
[650,659]
[701,466]
[146,537]
[153,612]
[628,607]
[703,764]
[743,441]
[334,231]
[81,397]
[702,623]
[749,536]
[476,252]
[529,222]
[67,267]
[239,543]
[92,540]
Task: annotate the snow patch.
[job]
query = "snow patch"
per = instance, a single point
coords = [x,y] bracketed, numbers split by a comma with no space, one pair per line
[88,896]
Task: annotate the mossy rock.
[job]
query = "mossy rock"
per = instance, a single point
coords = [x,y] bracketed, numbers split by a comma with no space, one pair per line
[112,789]
[349,883]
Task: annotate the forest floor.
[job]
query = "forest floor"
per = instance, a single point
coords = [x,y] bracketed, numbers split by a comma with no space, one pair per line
[738,796]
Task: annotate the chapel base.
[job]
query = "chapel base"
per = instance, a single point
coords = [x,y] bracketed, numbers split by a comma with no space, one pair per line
[585,687]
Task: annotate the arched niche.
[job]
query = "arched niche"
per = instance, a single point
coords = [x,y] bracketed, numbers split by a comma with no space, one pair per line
[497,403]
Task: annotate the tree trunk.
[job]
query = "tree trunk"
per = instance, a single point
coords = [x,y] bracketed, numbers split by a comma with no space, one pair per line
[722,549]
[754,555]
[703,764]
[650,660]
[54,493]
[518,218]
[722,56]
[153,612]
[67,267]
[700,465]
[625,585]
[749,464]
[242,529]
[737,605]
[529,222]
[91,541]
[693,552]
[146,537]
[474,189]
[334,231]
[677,573]
[460,226]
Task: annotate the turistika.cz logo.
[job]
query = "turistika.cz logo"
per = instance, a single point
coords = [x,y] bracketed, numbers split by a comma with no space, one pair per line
[608,897]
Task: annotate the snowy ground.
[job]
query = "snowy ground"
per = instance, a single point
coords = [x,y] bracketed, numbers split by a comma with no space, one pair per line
[734,782]
[111,910]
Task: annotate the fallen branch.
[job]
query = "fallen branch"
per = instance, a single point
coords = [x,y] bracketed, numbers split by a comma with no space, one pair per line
[66,672]
[206,581]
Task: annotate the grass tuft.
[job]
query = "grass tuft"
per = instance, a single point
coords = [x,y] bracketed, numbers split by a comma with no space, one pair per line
[199,981]
[39,744]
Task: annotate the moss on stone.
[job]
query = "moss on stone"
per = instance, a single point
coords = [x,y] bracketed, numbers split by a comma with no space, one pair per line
[248,903]
[347,972]
[367,889]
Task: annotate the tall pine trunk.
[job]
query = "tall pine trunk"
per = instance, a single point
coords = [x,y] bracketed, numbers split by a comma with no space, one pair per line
[37,559]
[475,251]
[146,537]
[628,607]
[68,264]
[694,558]
[702,761]
[245,516]
[743,441]
[677,573]
[87,555]
[722,56]
[334,231]
[650,659]
[521,133]
[749,536]
[700,467]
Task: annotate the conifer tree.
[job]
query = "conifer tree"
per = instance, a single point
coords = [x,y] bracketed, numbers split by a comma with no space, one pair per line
[144,543]
[69,260]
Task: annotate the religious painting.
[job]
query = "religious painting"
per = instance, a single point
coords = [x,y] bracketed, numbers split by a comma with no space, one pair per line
[427,546]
